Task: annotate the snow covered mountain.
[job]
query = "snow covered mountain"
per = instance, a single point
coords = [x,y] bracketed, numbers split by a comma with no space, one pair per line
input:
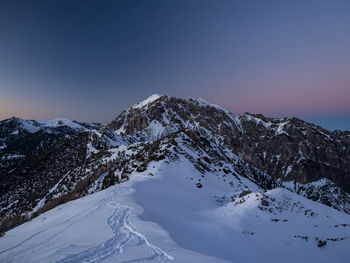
[183,181]
[20,138]
[288,149]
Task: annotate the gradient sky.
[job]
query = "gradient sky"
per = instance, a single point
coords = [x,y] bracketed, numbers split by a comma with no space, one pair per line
[88,60]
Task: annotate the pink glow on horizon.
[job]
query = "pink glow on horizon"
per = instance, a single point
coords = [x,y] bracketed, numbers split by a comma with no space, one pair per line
[314,94]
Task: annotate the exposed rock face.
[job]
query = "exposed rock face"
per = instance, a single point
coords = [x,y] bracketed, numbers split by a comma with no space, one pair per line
[299,151]
[323,191]
[285,148]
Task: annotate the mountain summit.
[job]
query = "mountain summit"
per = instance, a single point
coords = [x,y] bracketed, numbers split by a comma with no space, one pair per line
[288,149]
[184,162]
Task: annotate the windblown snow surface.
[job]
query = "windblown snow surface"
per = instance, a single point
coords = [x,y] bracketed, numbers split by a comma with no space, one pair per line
[167,218]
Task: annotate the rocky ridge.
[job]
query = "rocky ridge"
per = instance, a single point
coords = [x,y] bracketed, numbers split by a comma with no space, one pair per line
[288,149]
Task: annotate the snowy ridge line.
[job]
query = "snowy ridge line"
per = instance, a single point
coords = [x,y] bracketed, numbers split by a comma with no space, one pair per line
[150,99]
[218,230]
[33,126]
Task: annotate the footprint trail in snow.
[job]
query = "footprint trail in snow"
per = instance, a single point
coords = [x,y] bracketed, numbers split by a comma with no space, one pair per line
[124,233]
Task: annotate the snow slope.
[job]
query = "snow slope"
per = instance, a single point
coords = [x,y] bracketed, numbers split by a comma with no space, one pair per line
[241,231]
[167,218]
[102,227]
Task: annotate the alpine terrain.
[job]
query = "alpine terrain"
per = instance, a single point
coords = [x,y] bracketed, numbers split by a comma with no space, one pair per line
[174,180]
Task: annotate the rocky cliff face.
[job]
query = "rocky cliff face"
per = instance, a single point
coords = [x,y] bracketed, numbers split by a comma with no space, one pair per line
[288,149]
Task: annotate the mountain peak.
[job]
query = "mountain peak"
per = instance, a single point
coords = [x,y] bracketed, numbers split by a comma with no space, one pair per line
[150,99]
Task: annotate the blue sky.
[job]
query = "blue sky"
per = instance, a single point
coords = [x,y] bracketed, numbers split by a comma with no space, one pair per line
[88,60]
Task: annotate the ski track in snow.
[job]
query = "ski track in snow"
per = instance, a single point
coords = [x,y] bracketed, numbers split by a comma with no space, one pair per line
[124,232]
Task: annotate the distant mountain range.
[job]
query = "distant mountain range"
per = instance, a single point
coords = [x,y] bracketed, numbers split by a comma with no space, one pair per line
[236,162]
[22,138]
